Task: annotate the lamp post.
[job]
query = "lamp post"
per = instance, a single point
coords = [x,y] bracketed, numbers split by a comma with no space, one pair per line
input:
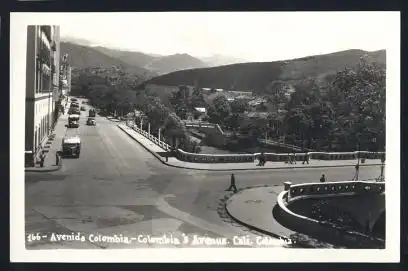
[148,129]
[159,135]
[381,178]
[358,162]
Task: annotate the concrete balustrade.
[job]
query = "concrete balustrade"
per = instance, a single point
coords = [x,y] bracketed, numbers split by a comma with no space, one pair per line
[315,227]
[248,158]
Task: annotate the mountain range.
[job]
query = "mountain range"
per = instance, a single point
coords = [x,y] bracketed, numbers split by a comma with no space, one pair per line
[260,76]
[83,54]
[216,71]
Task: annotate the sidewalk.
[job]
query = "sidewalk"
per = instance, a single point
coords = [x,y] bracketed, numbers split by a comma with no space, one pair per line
[253,207]
[174,162]
[51,148]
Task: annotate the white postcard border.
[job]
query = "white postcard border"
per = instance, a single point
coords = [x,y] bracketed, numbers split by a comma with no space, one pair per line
[18,253]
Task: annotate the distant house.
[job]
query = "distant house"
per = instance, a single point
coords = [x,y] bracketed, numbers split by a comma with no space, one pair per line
[199,112]
[206,90]
[219,89]
[201,109]
[256,103]
[237,94]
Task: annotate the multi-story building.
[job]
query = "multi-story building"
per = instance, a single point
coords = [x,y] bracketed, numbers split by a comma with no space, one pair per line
[42,86]
[65,76]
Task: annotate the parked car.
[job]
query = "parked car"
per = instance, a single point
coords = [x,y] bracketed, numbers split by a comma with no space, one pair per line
[91,121]
[74,111]
[73,124]
[71,146]
[83,108]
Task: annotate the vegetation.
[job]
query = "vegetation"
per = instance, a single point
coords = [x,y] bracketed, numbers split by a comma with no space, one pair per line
[348,115]
[344,113]
[114,93]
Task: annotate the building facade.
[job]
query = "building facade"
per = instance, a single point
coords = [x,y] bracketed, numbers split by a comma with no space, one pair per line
[65,76]
[42,86]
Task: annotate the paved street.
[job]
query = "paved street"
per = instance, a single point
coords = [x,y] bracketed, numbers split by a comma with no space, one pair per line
[117,187]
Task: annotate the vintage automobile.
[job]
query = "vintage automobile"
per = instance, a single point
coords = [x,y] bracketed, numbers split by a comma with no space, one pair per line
[74,99]
[83,108]
[74,111]
[73,121]
[74,105]
[91,121]
[71,146]
[91,113]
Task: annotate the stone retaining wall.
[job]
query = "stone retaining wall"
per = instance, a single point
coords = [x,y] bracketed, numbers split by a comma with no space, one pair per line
[329,231]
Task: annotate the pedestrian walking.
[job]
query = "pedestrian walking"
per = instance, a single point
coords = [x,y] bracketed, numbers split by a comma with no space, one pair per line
[42,159]
[57,158]
[306,158]
[262,159]
[294,157]
[357,167]
[232,184]
[322,179]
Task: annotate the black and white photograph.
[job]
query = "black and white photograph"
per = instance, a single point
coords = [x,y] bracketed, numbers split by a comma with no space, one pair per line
[233,136]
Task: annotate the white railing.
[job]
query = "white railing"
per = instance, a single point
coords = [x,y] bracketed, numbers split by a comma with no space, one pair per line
[243,158]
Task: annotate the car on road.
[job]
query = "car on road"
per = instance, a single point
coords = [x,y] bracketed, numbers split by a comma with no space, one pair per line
[74,99]
[73,121]
[83,108]
[91,113]
[74,111]
[73,124]
[71,146]
[91,121]
[74,105]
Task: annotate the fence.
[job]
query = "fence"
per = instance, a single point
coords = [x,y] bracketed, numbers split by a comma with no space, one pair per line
[151,137]
[249,158]
[328,230]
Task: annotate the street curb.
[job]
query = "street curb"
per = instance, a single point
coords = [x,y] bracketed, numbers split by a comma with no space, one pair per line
[48,169]
[238,169]
[252,227]
[152,152]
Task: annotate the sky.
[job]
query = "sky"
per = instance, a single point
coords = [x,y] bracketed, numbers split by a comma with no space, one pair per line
[255,36]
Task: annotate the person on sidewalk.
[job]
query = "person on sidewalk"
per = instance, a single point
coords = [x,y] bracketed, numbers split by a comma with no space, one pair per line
[294,157]
[57,158]
[232,184]
[323,179]
[357,167]
[42,158]
[306,158]
[262,159]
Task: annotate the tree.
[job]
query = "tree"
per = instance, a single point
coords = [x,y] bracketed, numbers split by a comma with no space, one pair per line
[238,106]
[358,96]
[221,107]
[197,98]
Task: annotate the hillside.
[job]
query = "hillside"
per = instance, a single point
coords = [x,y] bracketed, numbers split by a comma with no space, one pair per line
[131,58]
[171,63]
[258,76]
[80,57]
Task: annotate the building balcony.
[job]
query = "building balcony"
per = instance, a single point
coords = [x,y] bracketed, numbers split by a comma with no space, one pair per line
[47,31]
